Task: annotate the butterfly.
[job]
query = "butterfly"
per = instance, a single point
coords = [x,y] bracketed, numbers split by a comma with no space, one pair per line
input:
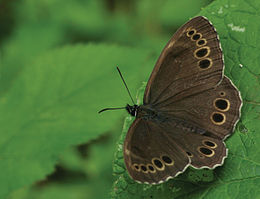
[189,108]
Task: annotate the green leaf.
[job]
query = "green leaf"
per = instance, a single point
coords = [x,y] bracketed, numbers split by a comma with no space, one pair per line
[84,173]
[238,25]
[53,103]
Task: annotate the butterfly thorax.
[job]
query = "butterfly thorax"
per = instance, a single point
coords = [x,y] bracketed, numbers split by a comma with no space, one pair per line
[147,113]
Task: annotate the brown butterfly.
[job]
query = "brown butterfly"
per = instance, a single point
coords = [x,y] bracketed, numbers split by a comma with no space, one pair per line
[189,108]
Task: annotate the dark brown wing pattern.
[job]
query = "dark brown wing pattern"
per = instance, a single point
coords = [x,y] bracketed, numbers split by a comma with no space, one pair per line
[190,63]
[194,108]
[149,156]
[215,110]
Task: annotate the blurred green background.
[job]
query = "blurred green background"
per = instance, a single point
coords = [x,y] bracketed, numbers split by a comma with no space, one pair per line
[57,69]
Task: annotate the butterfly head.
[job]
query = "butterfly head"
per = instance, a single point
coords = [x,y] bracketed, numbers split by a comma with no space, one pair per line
[132,110]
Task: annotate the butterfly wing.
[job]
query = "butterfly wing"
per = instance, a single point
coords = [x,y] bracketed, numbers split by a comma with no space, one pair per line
[184,76]
[189,70]
[216,110]
[190,63]
[150,157]
[204,151]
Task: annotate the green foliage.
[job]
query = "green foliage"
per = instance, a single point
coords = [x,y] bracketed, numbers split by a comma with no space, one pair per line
[57,108]
[57,70]
[239,177]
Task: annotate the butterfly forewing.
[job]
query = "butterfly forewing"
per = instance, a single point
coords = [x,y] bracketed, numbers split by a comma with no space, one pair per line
[190,63]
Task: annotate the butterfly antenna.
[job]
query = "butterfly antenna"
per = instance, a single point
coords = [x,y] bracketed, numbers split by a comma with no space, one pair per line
[106,109]
[125,84]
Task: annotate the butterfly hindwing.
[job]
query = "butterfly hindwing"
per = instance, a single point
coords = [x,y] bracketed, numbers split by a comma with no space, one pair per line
[149,155]
[215,110]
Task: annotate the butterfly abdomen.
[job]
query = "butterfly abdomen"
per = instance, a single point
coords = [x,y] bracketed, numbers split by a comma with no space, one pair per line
[184,126]
[187,127]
